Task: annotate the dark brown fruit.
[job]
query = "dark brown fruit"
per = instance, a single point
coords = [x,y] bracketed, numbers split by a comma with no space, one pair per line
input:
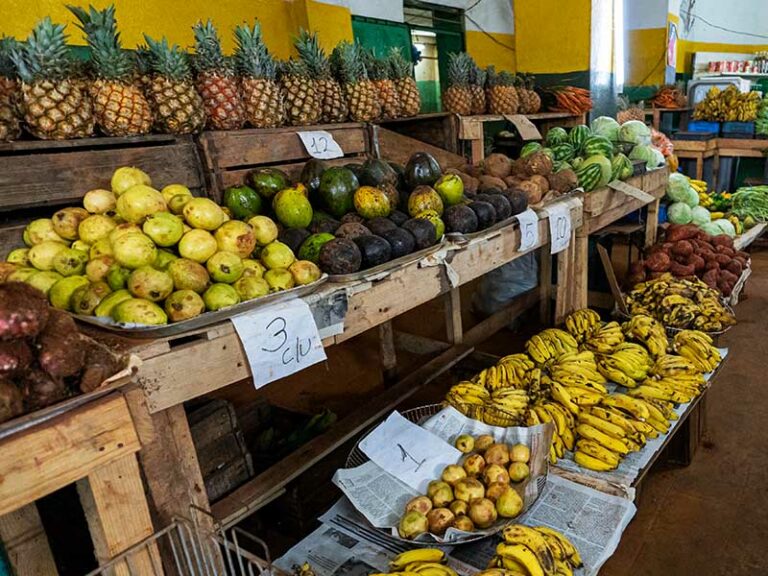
[340,256]
[500,204]
[11,400]
[351,230]
[327,225]
[293,237]
[374,250]
[352,217]
[23,311]
[518,201]
[61,351]
[423,232]
[401,241]
[15,358]
[399,218]
[100,364]
[460,219]
[40,390]
[485,212]
[379,225]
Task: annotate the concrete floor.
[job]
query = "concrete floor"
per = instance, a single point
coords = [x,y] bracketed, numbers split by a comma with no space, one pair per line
[710,518]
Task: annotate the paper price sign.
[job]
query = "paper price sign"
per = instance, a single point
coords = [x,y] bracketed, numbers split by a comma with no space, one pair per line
[279,340]
[529,230]
[631,191]
[320,144]
[559,226]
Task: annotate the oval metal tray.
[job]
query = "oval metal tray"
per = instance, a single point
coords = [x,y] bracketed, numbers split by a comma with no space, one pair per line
[205,319]
[391,266]
[491,230]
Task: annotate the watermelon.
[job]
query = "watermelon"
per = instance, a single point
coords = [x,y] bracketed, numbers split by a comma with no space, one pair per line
[598,145]
[578,136]
[589,176]
[529,149]
[556,135]
[548,152]
[563,151]
[576,162]
[605,167]
[621,167]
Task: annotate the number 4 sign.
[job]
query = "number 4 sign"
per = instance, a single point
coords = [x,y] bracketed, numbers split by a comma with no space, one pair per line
[320,144]
[559,226]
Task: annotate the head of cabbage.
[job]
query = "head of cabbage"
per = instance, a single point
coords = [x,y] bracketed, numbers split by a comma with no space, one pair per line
[606,126]
[635,132]
[648,154]
[678,187]
[679,213]
[700,215]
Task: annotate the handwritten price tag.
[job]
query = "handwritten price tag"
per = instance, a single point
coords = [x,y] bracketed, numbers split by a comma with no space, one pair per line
[559,226]
[524,127]
[320,144]
[279,340]
[529,230]
[631,191]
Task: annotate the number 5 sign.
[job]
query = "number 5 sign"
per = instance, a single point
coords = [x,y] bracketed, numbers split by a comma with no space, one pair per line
[529,230]
[559,226]
[320,144]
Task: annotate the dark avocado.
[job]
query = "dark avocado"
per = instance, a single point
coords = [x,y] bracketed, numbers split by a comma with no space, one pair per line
[337,188]
[243,201]
[322,222]
[423,232]
[485,212]
[400,171]
[268,181]
[293,237]
[422,169]
[379,225]
[393,194]
[352,217]
[398,217]
[401,241]
[351,230]
[374,250]
[356,168]
[310,177]
[340,256]
[310,248]
[518,201]
[460,219]
[500,203]
[376,172]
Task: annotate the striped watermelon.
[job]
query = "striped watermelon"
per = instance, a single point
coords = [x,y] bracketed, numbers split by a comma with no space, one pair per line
[563,151]
[576,162]
[556,135]
[598,145]
[621,167]
[578,136]
[605,167]
[589,176]
[529,149]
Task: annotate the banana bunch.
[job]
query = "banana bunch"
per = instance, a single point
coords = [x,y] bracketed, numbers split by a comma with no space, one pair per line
[698,348]
[698,185]
[424,561]
[506,408]
[729,105]
[627,365]
[605,338]
[469,398]
[581,323]
[509,372]
[517,367]
[537,551]
[674,379]
[549,344]
[564,423]
[579,375]
[647,331]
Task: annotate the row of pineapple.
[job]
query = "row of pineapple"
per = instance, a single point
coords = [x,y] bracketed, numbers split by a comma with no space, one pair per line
[159,86]
[472,90]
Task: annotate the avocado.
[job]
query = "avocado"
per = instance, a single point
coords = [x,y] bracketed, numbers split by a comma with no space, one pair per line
[379,225]
[500,204]
[376,172]
[400,171]
[310,177]
[423,232]
[433,217]
[293,237]
[392,194]
[398,217]
[337,189]
[243,201]
[460,219]
[340,256]
[268,181]
[356,168]
[322,222]
[485,212]
[374,250]
[421,169]
[310,248]
[351,230]
[424,198]
[518,200]
[371,202]
[401,241]
[352,217]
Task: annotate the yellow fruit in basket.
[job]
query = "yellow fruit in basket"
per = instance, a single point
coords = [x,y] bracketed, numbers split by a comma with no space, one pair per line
[518,471]
[69,262]
[483,442]
[175,190]
[482,512]
[197,245]
[19,256]
[127,177]
[86,298]
[253,267]
[474,465]
[177,203]
[105,307]
[60,294]
[204,214]
[139,311]
[458,507]
[220,296]
[465,443]
[264,229]
[250,287]
[151,284]
[421,504]
[95,227]
[134,250]
[164,259]
[97,268]
[519,453]
[100,201]
[183,305]
[225,267]
[443,496]
[469,489]
[139,202]
[41,230]
[124,228]
[462,522]
[66,221]
[497,454]
[42,255]
[509,504]
[453,473]
[412,524]
[496,489]
[277,255]
[279,279]
[44,280]
[439,520]
[80,245]
[304,272]
[236,236]
[495,473]
[164,228]
[100,248]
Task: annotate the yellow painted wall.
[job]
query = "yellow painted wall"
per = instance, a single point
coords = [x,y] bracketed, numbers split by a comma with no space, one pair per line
[485,51]
[645,61]
[552,36]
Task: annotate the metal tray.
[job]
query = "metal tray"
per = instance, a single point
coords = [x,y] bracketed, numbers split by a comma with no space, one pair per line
[462,238]
[371,273]
[205,319]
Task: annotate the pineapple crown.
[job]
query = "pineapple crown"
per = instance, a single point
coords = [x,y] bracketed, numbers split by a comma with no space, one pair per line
[477,75]
[459,69]
[168,60]
[252,58]
[399,65]
[506,78]
[347,63]
[209,57]
[142,59]
[100,28]
[44,56]
[377,68]
[312,54]
[292,67]
[7,45]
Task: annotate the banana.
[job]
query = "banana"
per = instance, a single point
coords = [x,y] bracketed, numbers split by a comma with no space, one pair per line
[559,393]
[569,440]
[602,425]
[570,549]
[592,433]
[433,569]
[531,418]
[513,567]
[614,417]
[557,442]
[558,552]
[592,448]
[583,397]
[523,556]
[591,463]
[417,555]
[557,417]
[521,534]
[628,404]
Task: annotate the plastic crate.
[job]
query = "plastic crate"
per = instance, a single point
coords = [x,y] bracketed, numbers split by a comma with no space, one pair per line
[739,128]
[703,126]
[662,213]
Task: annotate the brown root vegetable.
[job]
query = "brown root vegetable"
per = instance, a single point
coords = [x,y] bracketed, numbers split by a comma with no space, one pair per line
[697,262]
[636,273]
[40,390]
[658,262]
[23,311]
[497,165]
[550,196]
[518,168]
[538,163]
[744,255]
[100,364]
[722,259]
[682,248]
[6,269]
[513,181]
[541,182]
[728,275]
[487,182]
[60,345]
[531,190]
[563,181]
[722,240]
[681,232]
[681,270]
[723,249]
[734,267]
[710,278]
[741,261]
[711,264]
[11,400]
[475,170]
[15,358]
[470,182]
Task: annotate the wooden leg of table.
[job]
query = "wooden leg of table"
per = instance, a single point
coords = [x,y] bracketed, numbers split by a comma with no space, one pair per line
[118,516]
[478,150]
[715,170]
[565,268]
[387,351]
[545,285]
[652,223]
[453,328]
[25,542]
[656,119]
[699,166]
[581,271]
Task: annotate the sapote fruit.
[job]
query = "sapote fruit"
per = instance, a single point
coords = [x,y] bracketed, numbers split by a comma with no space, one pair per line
[340,256]
[293,237]
[398,217]
[485,212]
[400,241]
[23,311]
[352,230]
[500,204]
[423,232]
[379,225]
[374,250]
[61,353]
[461,219]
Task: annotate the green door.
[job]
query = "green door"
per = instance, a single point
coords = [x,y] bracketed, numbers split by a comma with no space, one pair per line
[381,35]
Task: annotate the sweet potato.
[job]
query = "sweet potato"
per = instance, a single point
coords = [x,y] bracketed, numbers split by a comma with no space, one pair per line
[636,273]
[682,248]
[680,270]
[710,278]
[681,232]
[722,249]
[722,259]
[711,264]
[741,261]
[15,358]
[734,267]
[725,286]
[742,254]
[658,262]
[722,240]
[698,262]
[61,352]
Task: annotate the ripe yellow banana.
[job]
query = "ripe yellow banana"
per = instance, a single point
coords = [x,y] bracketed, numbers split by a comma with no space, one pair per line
[523,556]
[598,451]
[590,462]
[417,555]
[628,404]
[602,425]
[570,549]
[521,534]
[559,394]
[592,433]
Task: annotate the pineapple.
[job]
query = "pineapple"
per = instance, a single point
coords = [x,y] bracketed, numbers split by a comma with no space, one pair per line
[177,106]
[349,68]
[458,97]
[476,88]
[142,73]
[401,72]
[534,100]
[119,107]
[10,126]
[628,111]
[216,80]
[302,104]
[378,72]
[257,69]
[333,105]
[54,106]
[500,94]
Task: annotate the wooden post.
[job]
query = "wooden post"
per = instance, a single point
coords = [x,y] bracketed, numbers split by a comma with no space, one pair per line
[545,285]
[700,166]
[387,351]
[23,536]
[565,292]
[581,269]
[652,224]
[453,327]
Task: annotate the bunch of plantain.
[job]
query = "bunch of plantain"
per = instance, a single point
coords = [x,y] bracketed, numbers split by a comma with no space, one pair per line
[503,406]
[510,371]
[697,348]
[604,339]
[627,365]
[673,378]
[581,323]
[647,331]
[729,105]
[424,561]
[533,551]
[549,344]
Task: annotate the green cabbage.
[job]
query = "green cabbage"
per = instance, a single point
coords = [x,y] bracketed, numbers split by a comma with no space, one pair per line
[700,215]
[645,153]
[660,161]
[725,227]
[605,167]
[678,187]
[636,132]
[692,199]
[606,126]
[711,228]
[679,213]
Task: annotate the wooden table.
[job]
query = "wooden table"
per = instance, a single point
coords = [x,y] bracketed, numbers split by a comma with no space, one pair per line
[656,113]
[698,150]
[718,148]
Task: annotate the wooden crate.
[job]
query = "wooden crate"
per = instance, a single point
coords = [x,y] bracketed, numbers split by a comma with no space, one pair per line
[439,129]
[230,155]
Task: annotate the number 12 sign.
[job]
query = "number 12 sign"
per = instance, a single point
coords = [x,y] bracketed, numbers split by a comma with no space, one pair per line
[320,144]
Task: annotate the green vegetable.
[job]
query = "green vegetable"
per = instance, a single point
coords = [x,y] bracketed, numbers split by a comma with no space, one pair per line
[636,132]
[711,228]
[751,201]
[646,153]
[725,227]
[700,215]
[678,187]
[692,199]
[679,213]
[606,126]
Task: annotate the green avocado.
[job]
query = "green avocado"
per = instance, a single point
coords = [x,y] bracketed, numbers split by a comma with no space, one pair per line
[337,189]
[243,201]
[376,172]
[310,177]
[310,248]
[422,169]
[268,181]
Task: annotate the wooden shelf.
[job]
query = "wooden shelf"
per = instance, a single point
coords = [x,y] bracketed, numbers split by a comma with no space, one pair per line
[744,240]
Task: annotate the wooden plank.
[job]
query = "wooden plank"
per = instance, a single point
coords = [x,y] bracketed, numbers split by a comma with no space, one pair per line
[229,178]
[23,536]
[45,458]
[610,216]
[545,286]
[118,516]
[251,496]
[453,325]
[387,350]
[581,270]
[652,224]
[605,198]
[565,271]
[438,129]
[744,240]
[400,148]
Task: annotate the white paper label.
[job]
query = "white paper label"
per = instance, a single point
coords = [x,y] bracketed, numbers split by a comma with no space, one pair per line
[631,191]
[320,144]
[529,230]
[279,340]
[559,226]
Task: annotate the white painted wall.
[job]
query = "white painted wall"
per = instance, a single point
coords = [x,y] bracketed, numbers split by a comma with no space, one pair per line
[383,9]
[643,14]
[740,15]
